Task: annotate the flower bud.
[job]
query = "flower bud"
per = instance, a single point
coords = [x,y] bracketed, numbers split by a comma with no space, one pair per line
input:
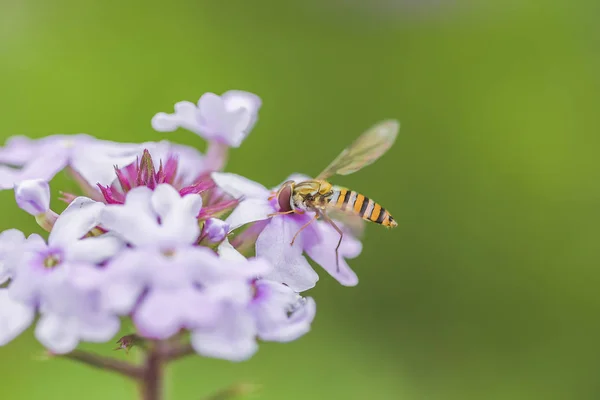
[215,230]
[33,196]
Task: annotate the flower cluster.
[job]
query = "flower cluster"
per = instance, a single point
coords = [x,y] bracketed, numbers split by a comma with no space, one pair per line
[159,235]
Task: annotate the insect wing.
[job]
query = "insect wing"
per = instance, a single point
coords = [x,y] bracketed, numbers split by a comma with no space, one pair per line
[365,150]
[347,221]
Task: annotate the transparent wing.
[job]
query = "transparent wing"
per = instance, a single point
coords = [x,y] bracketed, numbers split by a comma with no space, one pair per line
[365,150]
[349,221]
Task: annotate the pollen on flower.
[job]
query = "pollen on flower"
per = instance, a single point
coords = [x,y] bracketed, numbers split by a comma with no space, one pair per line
[52,260]
[168,252]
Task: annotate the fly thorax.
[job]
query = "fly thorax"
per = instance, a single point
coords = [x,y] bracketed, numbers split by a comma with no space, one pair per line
[324,199]
[299,202]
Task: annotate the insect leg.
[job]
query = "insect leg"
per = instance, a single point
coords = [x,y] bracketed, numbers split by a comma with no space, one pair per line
[296,211]
[337,228]
[313,219]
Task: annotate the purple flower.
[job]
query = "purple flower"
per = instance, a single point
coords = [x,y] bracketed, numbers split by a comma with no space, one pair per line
[44,276]
[165,281]
[282,315]
[33,196]
[227,118]
[43,265]
[270,311]
[273,313]
[318,240]
[162,227]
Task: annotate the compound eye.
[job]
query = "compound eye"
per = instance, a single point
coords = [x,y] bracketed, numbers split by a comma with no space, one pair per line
[283,198]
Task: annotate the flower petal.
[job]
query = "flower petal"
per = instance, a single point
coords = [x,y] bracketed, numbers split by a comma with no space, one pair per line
[238,186]
[161,217]
[249,210]
[226,119]
[290,266]
[95,249]
[15,317]
[11,242]
[8,177]
[203,266]
[164,200]
[163,122]
[228,252]
[135,220]
[95,159]
[298,324]
[167,202]
[120,282]
[18,150]
[76,221]
[163,313]
[43,166]
[213,119]
[239,99]
[272,309]
[57,333]
[178,214]
[184,117]
[98,328]
[321,248]
[121,297]
[232,338]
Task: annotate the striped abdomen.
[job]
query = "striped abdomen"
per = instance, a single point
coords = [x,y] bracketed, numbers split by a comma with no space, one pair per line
[349,200]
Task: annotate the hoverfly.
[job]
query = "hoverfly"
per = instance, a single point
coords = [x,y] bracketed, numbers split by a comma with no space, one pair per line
[319,196]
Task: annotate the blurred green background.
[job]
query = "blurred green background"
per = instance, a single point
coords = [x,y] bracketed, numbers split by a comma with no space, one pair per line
[488,289]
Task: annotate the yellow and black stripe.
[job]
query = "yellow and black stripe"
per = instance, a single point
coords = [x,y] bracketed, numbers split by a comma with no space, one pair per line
[349,200]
